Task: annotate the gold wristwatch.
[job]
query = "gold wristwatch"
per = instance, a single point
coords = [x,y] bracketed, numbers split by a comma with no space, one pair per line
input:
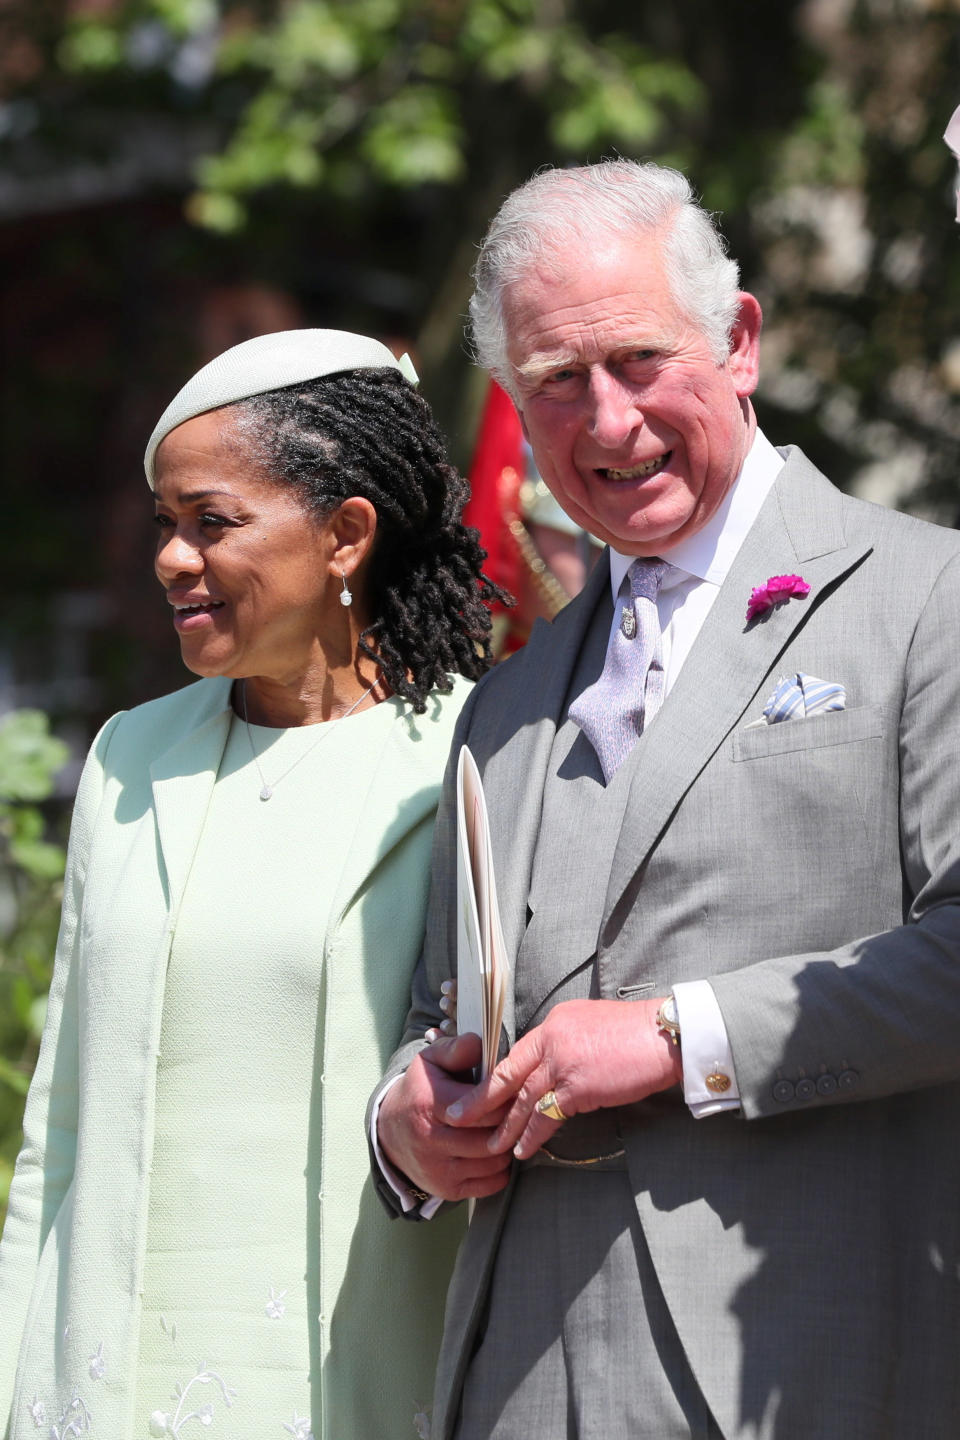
[668,1019]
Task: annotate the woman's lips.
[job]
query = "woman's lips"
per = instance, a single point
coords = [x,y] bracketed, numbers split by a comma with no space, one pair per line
[195,616]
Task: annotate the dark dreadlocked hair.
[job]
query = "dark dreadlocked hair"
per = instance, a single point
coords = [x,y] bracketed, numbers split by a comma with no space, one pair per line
[369,433]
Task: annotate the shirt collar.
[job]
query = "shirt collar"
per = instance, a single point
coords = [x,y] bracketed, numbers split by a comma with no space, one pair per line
[708,554]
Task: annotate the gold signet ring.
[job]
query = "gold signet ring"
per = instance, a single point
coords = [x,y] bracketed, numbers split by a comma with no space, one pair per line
[547,1105]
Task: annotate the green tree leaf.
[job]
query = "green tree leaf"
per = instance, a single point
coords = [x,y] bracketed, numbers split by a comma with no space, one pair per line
[29,756]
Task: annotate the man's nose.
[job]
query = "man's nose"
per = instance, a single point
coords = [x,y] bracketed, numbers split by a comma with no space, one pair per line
[614,414]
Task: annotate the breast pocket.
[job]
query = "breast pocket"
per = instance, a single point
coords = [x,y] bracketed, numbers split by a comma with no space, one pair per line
[834,727]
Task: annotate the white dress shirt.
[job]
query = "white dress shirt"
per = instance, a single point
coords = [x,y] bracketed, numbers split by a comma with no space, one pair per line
[701,565]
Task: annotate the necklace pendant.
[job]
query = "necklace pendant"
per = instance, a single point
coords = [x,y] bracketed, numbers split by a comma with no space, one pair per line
[628,622]
[266,792]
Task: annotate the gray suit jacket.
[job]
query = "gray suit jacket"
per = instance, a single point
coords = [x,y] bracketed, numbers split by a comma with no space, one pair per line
[808,1247]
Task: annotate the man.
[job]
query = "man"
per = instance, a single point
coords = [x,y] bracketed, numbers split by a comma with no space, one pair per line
[718,1169]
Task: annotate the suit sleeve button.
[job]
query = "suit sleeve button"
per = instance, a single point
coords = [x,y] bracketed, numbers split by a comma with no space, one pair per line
[848,1080]
[783,1092]
[827,1085]
[806,1089]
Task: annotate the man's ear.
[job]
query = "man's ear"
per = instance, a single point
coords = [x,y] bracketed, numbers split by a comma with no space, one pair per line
[744,359]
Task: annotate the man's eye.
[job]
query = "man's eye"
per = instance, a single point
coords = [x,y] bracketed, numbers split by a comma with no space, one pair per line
[163,521]
[218,520]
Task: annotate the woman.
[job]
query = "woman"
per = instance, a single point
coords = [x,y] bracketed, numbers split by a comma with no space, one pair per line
[192,1241]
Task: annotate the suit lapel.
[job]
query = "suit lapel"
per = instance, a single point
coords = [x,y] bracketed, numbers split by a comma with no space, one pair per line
[182,780]
[799,529]
[513,744]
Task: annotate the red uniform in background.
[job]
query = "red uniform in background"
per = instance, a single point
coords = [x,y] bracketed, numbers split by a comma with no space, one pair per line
[533,549]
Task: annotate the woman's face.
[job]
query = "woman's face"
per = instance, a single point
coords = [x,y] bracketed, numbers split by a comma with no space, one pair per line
[246,569]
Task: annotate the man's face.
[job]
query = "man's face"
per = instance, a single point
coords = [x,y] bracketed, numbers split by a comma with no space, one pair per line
[635,428]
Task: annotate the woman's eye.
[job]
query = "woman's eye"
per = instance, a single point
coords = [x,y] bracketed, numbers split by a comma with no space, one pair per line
[206,521]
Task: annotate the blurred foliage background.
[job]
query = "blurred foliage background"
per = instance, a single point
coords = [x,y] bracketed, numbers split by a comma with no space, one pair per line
[177,175]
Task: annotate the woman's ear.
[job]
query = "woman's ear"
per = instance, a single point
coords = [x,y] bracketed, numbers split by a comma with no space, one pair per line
[352,528]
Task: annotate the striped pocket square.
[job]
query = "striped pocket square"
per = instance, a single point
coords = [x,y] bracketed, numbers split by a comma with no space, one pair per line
[799,695]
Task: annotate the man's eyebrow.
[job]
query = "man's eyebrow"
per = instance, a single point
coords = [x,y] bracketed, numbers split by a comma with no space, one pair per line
[543,363]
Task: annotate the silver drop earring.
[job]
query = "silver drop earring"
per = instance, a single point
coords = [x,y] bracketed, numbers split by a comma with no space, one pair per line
[346,595]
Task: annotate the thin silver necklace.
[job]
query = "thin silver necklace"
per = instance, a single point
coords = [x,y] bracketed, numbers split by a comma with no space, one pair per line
[266,789]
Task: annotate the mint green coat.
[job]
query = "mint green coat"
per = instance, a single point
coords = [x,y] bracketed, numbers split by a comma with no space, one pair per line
[71,1259]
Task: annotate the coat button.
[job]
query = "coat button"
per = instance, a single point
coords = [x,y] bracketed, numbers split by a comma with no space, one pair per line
[783,1092]
[827,1085]
[848,1080]
[806,1089]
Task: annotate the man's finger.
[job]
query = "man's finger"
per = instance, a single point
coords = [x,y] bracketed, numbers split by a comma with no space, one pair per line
[456,1055]
[485,1104]
[461,1143]
[523,1112]
[478,1187]
[538,1131]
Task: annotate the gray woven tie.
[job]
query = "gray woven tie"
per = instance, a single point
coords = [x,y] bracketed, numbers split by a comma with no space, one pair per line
[629,692]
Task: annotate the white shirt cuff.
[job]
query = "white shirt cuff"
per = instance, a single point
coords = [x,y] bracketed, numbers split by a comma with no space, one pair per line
[706,1050]
[428,1208]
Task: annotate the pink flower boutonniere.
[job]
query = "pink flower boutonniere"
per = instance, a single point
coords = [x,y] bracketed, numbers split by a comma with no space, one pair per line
[778,589]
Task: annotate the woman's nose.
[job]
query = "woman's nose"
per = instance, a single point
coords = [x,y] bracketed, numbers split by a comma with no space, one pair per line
[177,556]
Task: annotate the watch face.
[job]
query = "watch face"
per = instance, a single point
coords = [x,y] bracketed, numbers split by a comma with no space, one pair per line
[669,1011]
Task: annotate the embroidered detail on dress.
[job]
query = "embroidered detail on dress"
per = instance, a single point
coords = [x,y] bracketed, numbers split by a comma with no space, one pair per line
[162,1423]
[299,1428]
[170,1330]
[275,1308]
[97,1363]
[421,1422]
[38,1412]
[75,1421]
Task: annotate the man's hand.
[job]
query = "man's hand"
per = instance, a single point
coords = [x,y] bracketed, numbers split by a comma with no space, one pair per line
[591,1053]
[415,1136]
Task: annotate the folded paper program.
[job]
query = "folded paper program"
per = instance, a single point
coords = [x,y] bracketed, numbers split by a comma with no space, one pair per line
[798,696]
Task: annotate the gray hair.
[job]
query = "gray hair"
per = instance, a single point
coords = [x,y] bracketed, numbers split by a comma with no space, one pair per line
[557,208]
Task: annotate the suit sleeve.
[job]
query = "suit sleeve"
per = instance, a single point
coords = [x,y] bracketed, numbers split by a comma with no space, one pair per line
[44,1169]
[881,1014]
[438,958]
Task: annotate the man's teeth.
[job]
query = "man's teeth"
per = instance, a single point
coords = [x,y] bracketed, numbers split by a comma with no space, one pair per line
[636,472]
[192,609]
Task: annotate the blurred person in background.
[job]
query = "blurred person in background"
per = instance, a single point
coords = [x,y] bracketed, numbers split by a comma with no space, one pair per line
[192,1240]
[533,549]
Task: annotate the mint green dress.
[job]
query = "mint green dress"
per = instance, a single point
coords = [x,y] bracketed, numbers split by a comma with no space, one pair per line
[193,1245]
[238,1078]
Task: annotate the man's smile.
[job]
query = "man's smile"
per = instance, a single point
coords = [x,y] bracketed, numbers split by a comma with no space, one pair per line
[636,472]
